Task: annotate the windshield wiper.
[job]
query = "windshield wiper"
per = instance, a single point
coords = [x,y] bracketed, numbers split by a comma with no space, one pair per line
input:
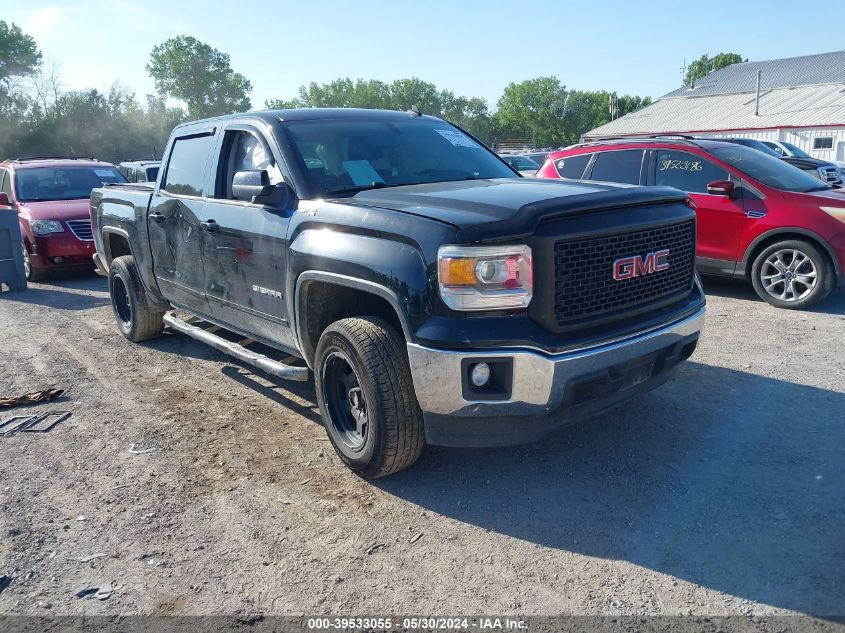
[374,185]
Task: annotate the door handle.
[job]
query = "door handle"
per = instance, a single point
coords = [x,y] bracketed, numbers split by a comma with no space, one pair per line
[158,218]
[210,225]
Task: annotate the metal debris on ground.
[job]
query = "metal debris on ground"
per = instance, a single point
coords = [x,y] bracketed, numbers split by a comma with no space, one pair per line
[104,592]
[417,537]
[45,395]
[375,548]
[11,425]
[38,423]
[141,452]
[86,590]
[46,422]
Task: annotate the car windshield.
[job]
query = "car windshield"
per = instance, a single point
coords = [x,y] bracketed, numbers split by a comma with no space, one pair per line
[796,151]
[352,155]
[768,170]
[40,184]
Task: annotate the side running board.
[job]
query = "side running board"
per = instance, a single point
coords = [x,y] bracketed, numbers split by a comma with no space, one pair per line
[264,363]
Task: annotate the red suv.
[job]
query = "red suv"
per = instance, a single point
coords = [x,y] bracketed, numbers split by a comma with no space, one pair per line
[51,197]
[758,217]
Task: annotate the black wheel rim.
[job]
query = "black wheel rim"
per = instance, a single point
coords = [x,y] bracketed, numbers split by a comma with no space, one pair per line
[346,403]
[120,299]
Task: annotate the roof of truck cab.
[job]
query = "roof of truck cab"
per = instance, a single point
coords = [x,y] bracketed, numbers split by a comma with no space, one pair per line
[29,163]
[313,114]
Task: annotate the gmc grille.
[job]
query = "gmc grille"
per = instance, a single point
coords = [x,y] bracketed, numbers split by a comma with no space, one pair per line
[584,285]
[81,229]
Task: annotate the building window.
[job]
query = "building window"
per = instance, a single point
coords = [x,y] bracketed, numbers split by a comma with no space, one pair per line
[823,142]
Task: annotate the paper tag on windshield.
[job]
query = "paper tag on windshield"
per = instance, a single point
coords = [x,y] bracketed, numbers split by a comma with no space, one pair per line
[361,172]
[104,173]
[457,138]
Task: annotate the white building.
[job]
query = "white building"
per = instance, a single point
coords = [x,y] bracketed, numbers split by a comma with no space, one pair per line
[800,100]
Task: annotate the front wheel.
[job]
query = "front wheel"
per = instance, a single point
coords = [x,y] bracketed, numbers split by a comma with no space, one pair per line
[32,274]
[135,318]
[793,274]
[366,396]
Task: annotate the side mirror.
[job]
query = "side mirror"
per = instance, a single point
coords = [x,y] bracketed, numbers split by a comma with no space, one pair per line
[720,188]
[4,200]
[249,185]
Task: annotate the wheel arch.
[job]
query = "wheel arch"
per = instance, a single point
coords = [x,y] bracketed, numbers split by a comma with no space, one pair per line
[116,243]
[785,233]
[322,298]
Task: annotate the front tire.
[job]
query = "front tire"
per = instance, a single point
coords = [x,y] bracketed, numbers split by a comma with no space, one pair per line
[366,397]
[32,274]
[136,320]
[793,274]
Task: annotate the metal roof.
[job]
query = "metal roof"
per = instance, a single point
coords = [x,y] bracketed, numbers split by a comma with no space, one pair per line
[807,106]
[825,68]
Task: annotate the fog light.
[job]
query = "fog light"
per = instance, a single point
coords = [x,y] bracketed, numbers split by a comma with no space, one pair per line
[58,260]
[480,374]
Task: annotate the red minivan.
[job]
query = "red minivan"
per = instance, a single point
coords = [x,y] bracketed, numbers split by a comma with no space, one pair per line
[51,196]
[758,217]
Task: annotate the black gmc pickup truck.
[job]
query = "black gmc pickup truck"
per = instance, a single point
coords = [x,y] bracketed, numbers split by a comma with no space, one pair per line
[435,295]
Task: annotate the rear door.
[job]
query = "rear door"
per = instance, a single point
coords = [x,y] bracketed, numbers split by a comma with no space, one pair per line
[245,244]
[720,218]
[622,166]
[173,221]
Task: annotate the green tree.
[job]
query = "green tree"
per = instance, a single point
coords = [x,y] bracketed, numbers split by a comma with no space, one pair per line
[185,68]
[469,113]
[19,56]
[534,108]
[704,65]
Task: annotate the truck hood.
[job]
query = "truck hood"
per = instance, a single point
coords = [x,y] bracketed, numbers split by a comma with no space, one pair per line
[57,210]
[511,207]
[807,163]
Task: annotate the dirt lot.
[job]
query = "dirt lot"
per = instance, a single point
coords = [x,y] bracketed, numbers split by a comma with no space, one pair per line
[721,493]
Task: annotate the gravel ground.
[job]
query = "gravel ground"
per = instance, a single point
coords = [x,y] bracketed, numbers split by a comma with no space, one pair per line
[721,493]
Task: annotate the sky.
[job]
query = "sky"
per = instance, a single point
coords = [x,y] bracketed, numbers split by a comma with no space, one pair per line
[472,47]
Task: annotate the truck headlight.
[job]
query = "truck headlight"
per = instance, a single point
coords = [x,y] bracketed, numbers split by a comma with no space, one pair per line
[485,277]
[45,227]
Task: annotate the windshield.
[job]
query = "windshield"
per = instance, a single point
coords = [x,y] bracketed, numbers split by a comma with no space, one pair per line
[40,184]
[760,146]
[352,155]
[768,170]
[796,151]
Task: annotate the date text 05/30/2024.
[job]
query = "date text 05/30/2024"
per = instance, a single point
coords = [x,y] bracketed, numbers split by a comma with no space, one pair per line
[411,623]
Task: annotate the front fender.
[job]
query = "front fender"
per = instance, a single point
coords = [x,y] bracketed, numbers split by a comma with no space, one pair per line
[394,270]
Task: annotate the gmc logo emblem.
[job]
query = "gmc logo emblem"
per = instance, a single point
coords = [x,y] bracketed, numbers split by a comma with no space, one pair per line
[629,267]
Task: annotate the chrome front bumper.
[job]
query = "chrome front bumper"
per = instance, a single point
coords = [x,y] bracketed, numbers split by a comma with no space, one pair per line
[540,381]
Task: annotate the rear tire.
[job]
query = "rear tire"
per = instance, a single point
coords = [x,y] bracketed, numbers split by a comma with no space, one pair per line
[136,320]
[793,274]
[366,397]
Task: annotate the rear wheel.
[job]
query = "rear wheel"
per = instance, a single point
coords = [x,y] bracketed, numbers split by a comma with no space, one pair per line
[135,318]
[366,396]
[793,274]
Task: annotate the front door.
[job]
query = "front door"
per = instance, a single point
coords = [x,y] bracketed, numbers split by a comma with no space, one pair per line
[720,218]
[245,244]
[173,222]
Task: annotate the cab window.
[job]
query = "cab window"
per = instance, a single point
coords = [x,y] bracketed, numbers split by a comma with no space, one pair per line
[186,169]
[687,172]
[243,151]
[618,166]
